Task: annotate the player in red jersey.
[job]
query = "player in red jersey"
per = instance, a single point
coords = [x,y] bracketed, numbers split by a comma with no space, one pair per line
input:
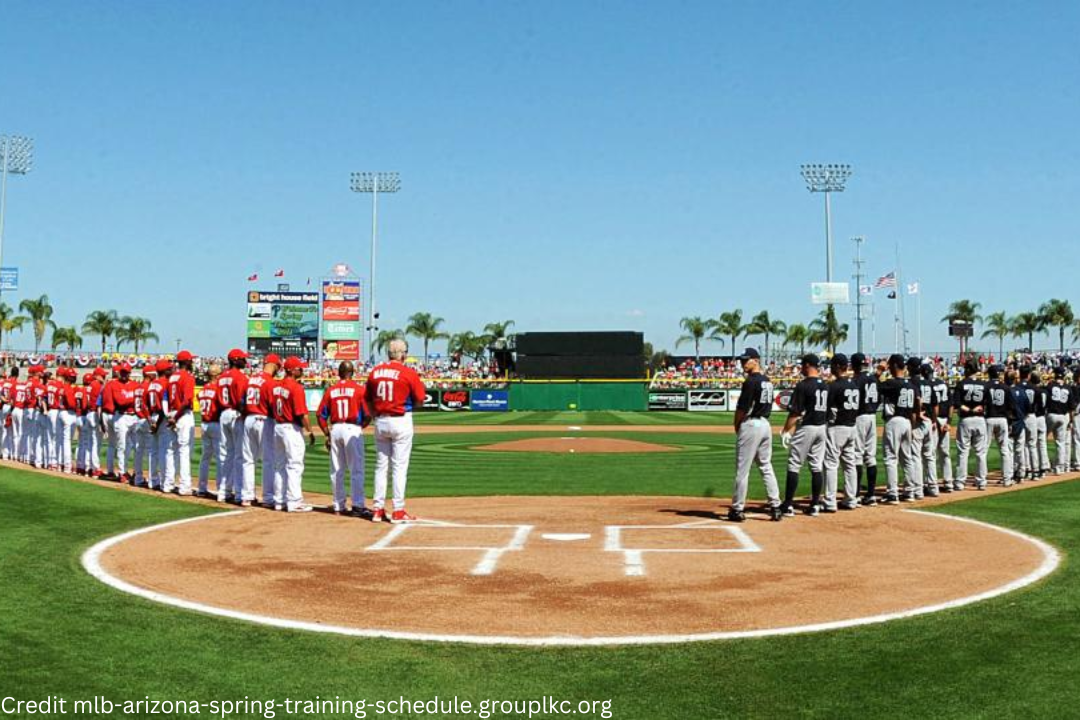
[20,404]
[50,420]
[342,415]
[67,419]
[95,430]
[181,421]
[120,395]
[258,434]
[157,393]
[232,388]
[211,431]
[290,422]
[80,404]
[393,390]
[8,448]
[143,437]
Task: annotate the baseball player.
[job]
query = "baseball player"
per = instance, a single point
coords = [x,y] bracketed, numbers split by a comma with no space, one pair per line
[1021,408]
[181,422]
[81,404]
[20,397]
[258,436]
[120,395]
[969,399]
[1059,408]
[922,433]
[66,419]
[142,432]
[211,432]
[1041,459]
[291,421]
[166,435]
[92,421]
[804,435]
[869,384]
[1025,460]
[841,449]
[942,410]
[1000,414]
[392,391]
[901,410]
[6,386]
[53,404]
[754,438]
[157,398]
[32,426]
[342,416]
[232,389]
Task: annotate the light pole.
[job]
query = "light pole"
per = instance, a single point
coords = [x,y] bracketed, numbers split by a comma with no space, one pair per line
[374,183]
[16,158]
[859,262]
[826,179]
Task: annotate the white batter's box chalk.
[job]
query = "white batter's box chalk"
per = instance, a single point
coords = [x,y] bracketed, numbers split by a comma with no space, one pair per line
[634,557]
[491,554]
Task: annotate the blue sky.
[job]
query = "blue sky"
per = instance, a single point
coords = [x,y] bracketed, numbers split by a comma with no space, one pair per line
[567,165]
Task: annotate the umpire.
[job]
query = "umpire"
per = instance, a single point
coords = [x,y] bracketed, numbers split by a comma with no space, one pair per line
[753,437]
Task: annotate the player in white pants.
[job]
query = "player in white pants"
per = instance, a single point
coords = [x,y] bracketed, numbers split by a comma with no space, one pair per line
[258,435]
[754,438]
[211,431]
[181,423]
[291,420]
[66,420]
[842,451]
[342,417]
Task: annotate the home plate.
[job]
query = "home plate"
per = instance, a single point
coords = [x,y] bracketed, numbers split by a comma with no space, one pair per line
[566,537]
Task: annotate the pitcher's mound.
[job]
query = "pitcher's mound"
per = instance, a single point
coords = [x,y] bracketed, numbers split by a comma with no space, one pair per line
[577,445]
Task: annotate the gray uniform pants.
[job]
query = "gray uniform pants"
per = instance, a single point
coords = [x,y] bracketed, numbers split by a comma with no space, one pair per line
[998,430]
[866,440]
[943,452]
[1074,456]
[807,447]
[1028,457]
[1058,426]
[1043,465]
[971,434]
[922,442]
[898,449]
[754,447]
[841,451]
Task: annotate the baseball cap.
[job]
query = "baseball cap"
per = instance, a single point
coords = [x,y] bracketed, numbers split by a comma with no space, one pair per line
[123,367]
[811,359]
[149,368]
[914,363]
[293,363]
[1060,371]
[273,358]
[750,354]
[100,372]
[839,360]
[184,356]
[858,359]
[237,354]
[163,365]
[896,360]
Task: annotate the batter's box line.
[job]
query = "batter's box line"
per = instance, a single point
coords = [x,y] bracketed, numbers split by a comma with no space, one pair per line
[634,558]
[491,555]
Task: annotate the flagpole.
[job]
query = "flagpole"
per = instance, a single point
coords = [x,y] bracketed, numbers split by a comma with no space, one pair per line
[918,314]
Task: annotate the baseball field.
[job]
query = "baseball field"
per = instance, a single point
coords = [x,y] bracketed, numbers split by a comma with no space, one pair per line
[69,635]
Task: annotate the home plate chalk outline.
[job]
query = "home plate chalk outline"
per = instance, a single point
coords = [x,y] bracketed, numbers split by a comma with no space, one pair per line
[634,558]
[488,561]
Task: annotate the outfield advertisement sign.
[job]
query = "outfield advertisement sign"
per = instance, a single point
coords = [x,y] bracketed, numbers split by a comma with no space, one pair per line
[490,400]
[341,329]
[707,400]
[667,400]
[454,400]
[282,322]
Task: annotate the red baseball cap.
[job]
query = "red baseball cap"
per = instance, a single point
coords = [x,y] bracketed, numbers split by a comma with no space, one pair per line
[100,372]
[163,365]
[237,354]
[123,367]
[184,356]
[273,358]
[149,368]
[294,363]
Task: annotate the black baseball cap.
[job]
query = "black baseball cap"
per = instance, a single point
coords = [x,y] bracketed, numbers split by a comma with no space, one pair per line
[896,360]
[1060,371]
[839,360]
[971,367]
[750,354]
[811,359]
[913,363]
[994,371]
[927,370]
[858,359]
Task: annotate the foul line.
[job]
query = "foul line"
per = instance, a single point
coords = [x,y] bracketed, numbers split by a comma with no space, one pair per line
[91,561]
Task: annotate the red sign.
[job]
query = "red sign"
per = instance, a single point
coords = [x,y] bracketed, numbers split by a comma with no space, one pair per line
[341,310]
[341,349]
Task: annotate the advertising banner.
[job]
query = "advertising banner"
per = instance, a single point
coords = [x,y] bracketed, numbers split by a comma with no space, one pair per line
[454,400]
[490,400]
[667,400]
[340,311]
[307,348]
[431,400]
[341,349]
[707,400]
[341,331]
[9,279]
[283,315]
[340,316]
[783,400]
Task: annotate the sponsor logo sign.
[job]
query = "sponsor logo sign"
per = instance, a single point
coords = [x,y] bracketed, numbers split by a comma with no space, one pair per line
[783,400]
[667,400]
[341,311]
[341,349]
[707,400]
[341,330]
[490,400]
[431,400]
[454,400]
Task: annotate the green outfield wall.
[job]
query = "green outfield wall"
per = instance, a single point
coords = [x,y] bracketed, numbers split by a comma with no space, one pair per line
[579,395]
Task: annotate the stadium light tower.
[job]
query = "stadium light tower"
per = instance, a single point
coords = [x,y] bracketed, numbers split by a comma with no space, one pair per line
[16,158]
[374,183]
[826,179]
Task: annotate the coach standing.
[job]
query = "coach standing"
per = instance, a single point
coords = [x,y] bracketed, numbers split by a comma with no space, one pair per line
[342,416]
[754,438]
[393,390]
[291,421]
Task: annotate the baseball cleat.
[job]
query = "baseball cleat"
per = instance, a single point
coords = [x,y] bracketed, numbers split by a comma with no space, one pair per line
[869,501]
[776,514]
[980,486]
[787,511]
[245,503]
[279,507]
[892,499]
[734,515]
[301,509]
[828,509]
[378,515]
[811,511]
[362,512]
[400,516]
[849,505]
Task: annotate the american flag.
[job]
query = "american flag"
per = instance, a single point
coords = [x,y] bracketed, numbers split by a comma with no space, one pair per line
[886,281]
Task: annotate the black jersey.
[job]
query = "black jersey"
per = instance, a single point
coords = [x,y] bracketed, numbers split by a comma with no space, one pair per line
[969,393]
[898,397]
[1000,400]
[756,396]
[1075,397]
[869,393]
[1058,399]
[810,400]
[1041,398]
[844,402]
[1029,390]
[941,398]
[925,390]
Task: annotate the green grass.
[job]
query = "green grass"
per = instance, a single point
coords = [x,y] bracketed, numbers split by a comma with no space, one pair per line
[584,417]
[64,633]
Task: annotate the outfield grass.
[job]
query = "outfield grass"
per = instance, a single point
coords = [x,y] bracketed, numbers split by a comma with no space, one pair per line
[64,633]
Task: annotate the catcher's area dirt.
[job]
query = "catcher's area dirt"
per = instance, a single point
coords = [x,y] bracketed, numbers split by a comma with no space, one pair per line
[576,445]
[584,566]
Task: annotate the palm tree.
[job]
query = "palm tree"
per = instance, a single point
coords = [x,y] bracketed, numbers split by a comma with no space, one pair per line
[134,330]
[797,334]
[762,324]
[1026,323]
[468,344]
[103,323]
[382,340]
[66,336]
[825,330]
[1059,314]
[695,329]
[497,330]
[426,327]
[9,321]
[40,313]
[997,325]
[730,325]
[963,311]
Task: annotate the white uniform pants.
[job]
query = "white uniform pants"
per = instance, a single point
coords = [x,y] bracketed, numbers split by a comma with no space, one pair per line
[66,422]
[5,433]
[155,473]
[51,425]
[841,451]
[124,431]
[943,453]
[289,463]
[31,435]
[258,444]
[347,452]
[109,433]
[233,452]
[754,447]
[142,450]
[1043,465]
[166,452]
[898,449]
[183,436]
[922,444]
[971,434]
[84,459]
[1058,426]
[211,452]
[393,446]
[18,441]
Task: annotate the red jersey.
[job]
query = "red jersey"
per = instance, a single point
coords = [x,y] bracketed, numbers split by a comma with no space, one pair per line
[155,396]
[139,404]
[394,389]
[108,396]
[78,399]
[54,395]
[208,406]
[21,397]
[343,403]
[232,388]
[95,393]
[289,405]
[181,391]
[259,394]
[6,389]
[37,393]
[121,395]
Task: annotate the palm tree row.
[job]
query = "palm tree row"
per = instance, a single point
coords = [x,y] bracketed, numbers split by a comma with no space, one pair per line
[38,314]
[135,331]
[823,331]
[1052,314]
[427,328]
